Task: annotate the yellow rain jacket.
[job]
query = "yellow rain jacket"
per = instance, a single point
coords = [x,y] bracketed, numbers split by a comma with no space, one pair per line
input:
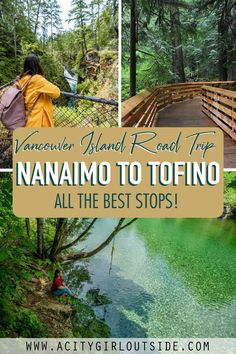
[42,113]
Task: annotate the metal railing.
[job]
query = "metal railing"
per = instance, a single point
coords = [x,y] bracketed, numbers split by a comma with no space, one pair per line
[70,110]
[74,110]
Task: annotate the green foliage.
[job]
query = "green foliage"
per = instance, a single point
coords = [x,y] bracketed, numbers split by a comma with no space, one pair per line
[108,54]
[206,36]
[38,29]
[88,87]
[230,188]
[94,298]
[28,325]
[20,267]
[9,223]
[14,269]
[86,324]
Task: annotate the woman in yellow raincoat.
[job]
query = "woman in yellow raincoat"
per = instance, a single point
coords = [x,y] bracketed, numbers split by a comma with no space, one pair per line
[38,94]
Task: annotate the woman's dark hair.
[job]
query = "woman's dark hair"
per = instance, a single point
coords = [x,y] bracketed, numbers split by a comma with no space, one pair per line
[32,65]
[57,271]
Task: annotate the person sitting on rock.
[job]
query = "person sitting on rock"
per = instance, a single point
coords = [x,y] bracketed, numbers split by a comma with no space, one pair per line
[58,286]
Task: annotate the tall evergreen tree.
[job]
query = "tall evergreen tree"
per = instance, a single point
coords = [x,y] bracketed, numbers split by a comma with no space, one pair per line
[133,39]
[79,14]
[51,18]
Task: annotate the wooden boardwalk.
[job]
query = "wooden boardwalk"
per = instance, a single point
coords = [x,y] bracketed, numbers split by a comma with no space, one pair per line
[189,114]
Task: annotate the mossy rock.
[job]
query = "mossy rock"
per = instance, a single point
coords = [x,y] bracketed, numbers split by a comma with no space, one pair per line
[108,54]
[85,323]
[95,299]
[83,316]
[98,329]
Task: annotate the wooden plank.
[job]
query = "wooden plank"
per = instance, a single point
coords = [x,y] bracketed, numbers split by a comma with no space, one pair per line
[162,98]
[202,83]
[223,92]
[134,109]
[183,94]
[222,108]
[185,87]
[180,98]
[142,121]
[151,114]
[229,102]
[186,92]
[137,114]
[142,108]
[155,117]
[163,105]
[132,103]
[231,133]
[151,122]
[219,115]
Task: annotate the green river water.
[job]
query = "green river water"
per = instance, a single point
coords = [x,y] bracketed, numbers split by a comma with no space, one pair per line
[169,278]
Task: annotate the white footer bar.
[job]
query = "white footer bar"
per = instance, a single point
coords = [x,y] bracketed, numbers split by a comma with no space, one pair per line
[118,345]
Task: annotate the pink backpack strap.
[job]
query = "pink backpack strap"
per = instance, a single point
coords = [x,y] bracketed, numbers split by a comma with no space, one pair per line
[23,88]
[32,107]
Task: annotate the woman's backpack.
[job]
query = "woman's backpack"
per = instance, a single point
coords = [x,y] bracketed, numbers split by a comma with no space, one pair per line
[12,107]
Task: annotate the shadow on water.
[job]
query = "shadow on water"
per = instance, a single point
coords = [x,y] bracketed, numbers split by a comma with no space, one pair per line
[126,295]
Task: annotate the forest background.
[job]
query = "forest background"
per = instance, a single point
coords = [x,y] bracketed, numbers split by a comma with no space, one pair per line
[86,44]
[168,41]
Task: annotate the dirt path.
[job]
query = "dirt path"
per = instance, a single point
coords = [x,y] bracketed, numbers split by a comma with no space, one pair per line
[54,314]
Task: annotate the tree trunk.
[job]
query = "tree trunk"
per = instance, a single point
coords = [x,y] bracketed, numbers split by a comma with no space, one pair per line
[28,13]
[114,7]
[83,36]
[133,39]
[37,17]
[15,41]
[222,45]
[94,29]
[232,46]
[28,228]
[40,237]
[77,239]
[231,75]
[98,29]
[116,230]
[177,56]
[60,232]
[52,34]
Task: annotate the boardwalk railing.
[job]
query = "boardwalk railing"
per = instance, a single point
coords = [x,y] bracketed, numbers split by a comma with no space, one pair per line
[220,105]
[142,109]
